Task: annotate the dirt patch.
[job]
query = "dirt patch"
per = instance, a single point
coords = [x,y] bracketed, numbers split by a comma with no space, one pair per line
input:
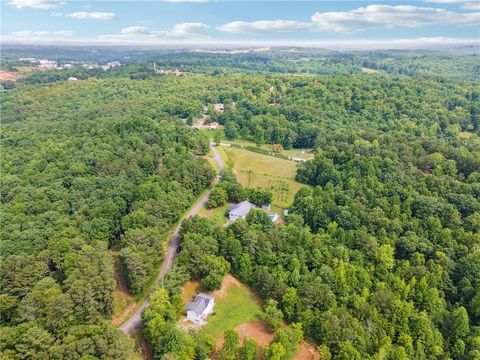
[124,301]
[6,75]
[307,352]
[227,282]
[189,290]
[256,330]
[120,318]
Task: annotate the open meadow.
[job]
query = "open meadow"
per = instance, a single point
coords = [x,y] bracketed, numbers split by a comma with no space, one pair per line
[258,170]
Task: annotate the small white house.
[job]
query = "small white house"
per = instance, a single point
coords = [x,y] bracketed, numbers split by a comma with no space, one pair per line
[219,107]
[72,78]
[240,210]
[200,308]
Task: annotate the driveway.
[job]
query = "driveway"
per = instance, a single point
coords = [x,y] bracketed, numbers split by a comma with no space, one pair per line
[135,321]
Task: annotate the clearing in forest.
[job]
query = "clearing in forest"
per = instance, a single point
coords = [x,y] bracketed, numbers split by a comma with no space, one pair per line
[258,170]
[235,304]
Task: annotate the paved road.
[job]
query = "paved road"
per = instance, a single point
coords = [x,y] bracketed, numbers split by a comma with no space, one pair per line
[135,321]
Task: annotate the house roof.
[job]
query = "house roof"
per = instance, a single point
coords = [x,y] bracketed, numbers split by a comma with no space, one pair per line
[242,208]
[199,304]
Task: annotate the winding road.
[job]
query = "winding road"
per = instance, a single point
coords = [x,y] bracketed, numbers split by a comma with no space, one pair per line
[135,321]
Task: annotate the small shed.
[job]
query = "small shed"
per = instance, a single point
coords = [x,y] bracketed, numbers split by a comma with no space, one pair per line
[266,207]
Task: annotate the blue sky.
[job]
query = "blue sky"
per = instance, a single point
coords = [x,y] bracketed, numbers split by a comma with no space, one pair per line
[262,22]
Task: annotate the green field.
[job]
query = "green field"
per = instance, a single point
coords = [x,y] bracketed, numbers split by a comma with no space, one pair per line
[268,172]
[217,215]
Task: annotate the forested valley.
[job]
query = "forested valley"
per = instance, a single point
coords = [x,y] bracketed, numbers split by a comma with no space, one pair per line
[379,257]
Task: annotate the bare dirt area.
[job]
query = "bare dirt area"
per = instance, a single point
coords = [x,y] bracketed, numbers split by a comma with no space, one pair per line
[307,352]
[6,75]
[189,290]
[256,330]
[227,282]
[124,301]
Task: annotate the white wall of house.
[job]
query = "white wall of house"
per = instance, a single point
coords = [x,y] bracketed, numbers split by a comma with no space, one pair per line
[200,319]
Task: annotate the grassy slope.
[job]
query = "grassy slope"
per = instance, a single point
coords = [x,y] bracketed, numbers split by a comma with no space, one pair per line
[235,304]
[254,169]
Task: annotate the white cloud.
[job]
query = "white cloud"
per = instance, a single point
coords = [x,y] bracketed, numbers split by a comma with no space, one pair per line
[41,33]
[56,14]
[388,16]
[360,19]
[186,1]
[471,5]
[465,4]
[83,15]
[143,33]
[265,26]
[36,4]
[188,30]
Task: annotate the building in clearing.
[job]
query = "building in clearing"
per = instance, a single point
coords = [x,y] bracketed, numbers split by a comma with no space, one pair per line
[266,207]
[200,308]
[240,210]
[213,125]
[219,107]
[273,217]
[72,78]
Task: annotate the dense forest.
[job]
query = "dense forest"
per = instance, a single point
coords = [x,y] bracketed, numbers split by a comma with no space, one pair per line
[81,174]
[380,253]
[138,63]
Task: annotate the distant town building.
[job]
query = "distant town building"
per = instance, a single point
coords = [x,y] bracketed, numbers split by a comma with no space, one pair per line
[47,64]
[200,308]
[111,65]
[72,78]
[240,210]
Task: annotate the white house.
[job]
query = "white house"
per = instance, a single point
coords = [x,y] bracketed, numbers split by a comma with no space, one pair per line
[200,308]
[240,210]
[219,107]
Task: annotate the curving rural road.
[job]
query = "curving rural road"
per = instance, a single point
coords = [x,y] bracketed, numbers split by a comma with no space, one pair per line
[135,321]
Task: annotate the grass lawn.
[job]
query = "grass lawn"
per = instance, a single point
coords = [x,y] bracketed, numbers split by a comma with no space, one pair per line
[217,215]
[258,170]
[235,304]
[465,134]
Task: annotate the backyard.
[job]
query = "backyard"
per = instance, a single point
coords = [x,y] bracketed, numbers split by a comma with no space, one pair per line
[235,304]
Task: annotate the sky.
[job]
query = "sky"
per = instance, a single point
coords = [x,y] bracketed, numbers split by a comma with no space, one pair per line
[258,22]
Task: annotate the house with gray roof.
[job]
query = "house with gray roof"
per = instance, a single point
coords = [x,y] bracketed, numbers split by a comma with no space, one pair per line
[200,308]
[240,210]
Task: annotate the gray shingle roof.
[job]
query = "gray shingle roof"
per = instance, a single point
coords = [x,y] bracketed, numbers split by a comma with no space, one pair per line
[199,304]
[242,208]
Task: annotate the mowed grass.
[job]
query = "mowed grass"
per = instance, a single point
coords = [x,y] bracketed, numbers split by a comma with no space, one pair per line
[235,304]
[216,215]
[268,172]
